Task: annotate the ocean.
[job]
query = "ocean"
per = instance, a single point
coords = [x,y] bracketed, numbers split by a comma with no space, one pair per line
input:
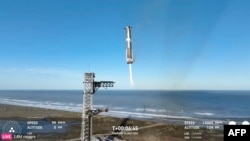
[160,105]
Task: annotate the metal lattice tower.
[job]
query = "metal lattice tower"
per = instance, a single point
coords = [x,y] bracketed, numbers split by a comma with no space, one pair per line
[87,105]
[90,87]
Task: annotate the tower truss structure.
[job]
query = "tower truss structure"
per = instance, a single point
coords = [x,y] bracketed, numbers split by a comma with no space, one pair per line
[90,87]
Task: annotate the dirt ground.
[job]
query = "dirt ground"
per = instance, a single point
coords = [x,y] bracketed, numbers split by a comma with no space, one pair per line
[102,125]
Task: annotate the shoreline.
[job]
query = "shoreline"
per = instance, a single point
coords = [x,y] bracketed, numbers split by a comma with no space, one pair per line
[102,125]
[168,120]
[67,114]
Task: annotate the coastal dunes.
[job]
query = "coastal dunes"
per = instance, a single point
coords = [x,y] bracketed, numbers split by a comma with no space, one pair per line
[102,125]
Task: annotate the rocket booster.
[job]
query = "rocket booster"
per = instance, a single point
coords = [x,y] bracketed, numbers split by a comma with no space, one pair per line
[129,54]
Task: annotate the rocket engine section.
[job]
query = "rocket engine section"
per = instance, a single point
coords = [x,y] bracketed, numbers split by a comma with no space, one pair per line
[129,53]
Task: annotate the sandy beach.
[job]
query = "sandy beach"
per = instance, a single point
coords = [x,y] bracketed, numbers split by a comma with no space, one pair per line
[102,125]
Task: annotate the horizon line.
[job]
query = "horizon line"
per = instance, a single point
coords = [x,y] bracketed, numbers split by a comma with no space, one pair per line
[128,89]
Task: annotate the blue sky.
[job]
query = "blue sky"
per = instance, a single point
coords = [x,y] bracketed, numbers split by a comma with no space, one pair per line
[178,44]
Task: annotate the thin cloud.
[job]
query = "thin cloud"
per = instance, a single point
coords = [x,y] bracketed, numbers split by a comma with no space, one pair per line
[39,70]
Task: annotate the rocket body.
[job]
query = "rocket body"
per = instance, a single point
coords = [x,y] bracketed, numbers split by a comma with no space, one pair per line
[129,53]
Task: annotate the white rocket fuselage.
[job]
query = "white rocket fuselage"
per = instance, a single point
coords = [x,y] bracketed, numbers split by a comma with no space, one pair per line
[129,54]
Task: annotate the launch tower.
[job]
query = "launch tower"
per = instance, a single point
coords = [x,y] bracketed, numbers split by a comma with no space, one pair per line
[90,87]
